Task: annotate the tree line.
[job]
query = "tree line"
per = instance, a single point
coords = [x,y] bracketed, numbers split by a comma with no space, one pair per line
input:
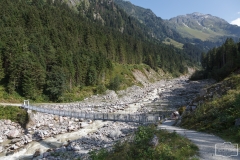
[47,48]
[219,62]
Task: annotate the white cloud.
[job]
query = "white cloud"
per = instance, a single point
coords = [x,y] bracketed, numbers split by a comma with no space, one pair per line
[236,22]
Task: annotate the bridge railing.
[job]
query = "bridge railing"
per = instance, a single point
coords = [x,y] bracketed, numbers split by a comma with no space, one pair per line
[139,118]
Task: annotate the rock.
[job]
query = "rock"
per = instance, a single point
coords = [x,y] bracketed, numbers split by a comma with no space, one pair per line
[154,141]
[76,148]
[71,128]
[38,125]
[62,149]
[19,144]
[13,134]
[81,120]
[76,120]
[115,134]
[46,154]
[45,132]
[56,118]
[89,121]
[1,149]
[50,125]
[15,140]
[8,122]
[39,134]
[13,147]
[83,124]
[12,127]
[237,122]
[37,153]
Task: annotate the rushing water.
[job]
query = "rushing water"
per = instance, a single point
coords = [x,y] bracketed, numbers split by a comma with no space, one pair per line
[52,142]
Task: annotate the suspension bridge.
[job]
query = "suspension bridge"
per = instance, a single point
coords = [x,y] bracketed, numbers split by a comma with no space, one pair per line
[137,118]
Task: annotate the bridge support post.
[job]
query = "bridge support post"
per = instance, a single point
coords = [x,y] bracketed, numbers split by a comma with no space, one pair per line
[26,103]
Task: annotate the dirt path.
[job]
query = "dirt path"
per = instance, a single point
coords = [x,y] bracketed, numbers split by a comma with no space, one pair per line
[11,104]
[205,142]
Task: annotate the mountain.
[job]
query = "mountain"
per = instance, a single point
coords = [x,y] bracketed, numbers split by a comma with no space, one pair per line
[204,31]
[157,25]
[203,26]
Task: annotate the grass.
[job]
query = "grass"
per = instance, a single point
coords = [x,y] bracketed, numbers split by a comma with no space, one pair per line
[123,71]
[173,42]
[171,146]
[217,115]
[193,33]
[12,98]
[15,114]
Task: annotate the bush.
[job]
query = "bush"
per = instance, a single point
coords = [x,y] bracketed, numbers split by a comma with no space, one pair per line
[171,147]
[15,114]
[100,89]
[115,83]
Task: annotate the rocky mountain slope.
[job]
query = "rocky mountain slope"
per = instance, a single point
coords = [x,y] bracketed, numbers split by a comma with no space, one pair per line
[156,24]
[205,31]
[203,26]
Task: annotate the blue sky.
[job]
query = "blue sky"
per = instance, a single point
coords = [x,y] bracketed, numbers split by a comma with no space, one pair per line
[228,10]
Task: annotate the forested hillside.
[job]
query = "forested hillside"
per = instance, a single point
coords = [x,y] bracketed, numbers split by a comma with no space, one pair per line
[219,62]
[47,48]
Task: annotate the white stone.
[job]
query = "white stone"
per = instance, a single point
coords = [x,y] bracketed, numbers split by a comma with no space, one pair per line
[13,134]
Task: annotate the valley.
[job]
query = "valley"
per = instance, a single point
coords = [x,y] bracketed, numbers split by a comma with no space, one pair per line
[57,136]
[107,79]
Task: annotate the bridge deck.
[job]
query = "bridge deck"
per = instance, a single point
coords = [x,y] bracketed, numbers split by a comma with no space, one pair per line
[138,118]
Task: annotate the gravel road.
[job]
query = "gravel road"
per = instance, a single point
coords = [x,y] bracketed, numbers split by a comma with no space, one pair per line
[205,142]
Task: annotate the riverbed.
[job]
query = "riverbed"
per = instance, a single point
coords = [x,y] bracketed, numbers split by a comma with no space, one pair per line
[165,94]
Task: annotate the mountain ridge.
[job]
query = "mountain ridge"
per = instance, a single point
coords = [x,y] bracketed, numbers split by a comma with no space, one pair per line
[191,32]
[211,26]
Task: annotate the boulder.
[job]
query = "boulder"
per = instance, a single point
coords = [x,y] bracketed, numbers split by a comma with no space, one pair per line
[89,121]
[81,120]
[13,134]
[154,141]
[37,153]
[8,122]
[46,154]
[115,134]
[71,128]
[12,127]
[76,120]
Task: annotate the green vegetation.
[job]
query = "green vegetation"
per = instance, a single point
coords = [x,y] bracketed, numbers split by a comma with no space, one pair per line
[171,147]
[176,44]
[48,51]
[199,34]
[217,115]
[15,114]
[219,62]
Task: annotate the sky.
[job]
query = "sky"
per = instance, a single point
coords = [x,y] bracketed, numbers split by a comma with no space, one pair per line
[228,10]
